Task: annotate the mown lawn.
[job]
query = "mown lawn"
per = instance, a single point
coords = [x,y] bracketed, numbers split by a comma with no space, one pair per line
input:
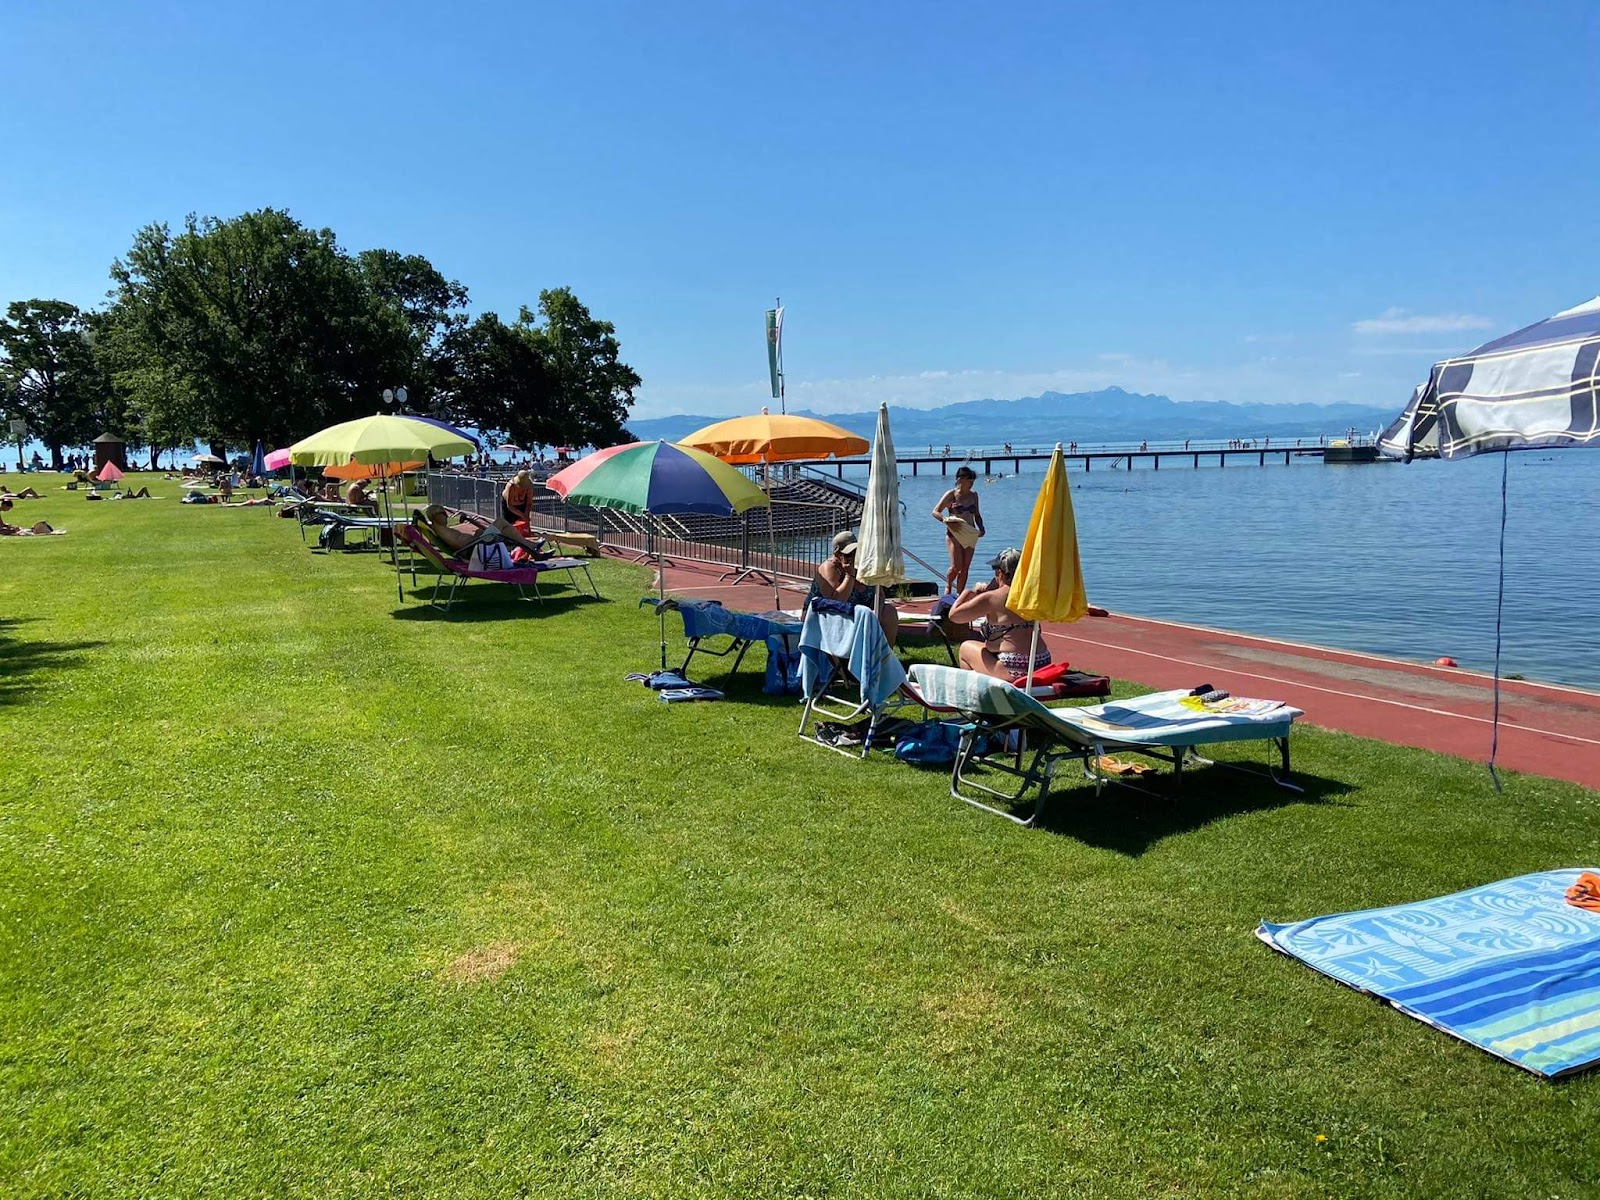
[304,895]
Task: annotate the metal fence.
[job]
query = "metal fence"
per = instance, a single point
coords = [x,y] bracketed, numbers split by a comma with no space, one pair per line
[788,538]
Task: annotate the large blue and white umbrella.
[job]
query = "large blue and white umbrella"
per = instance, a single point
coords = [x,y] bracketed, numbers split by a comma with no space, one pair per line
[1532,389]
[1535,389]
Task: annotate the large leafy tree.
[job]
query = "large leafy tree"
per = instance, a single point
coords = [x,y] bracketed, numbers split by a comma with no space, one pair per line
[48,362]
[264,324]
[552,376]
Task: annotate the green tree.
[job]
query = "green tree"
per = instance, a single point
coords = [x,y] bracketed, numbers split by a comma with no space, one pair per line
[265,325]
[153,406]
[553,376]
[49,366]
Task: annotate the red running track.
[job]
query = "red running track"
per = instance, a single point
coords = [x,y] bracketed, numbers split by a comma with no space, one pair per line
[1545,729]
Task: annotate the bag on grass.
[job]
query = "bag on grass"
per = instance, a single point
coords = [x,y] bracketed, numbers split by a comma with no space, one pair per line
[490,556]
[331,537]
[933,743]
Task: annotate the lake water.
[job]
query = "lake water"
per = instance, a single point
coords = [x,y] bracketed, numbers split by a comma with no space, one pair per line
[1390,558]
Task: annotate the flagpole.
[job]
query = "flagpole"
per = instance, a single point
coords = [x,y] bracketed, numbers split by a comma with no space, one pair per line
[777,302]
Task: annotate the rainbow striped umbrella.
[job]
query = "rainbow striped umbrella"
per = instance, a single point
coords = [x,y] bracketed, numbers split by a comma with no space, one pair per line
[657,477]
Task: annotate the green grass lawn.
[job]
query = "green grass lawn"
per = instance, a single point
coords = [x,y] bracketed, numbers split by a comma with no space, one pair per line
[305,893]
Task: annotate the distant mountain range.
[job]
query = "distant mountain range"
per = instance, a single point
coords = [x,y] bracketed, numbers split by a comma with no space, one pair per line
[1111,415]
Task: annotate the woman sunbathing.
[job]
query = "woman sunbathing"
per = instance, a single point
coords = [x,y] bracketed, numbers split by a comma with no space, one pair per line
[38,529]
[1004,639]
[26,493]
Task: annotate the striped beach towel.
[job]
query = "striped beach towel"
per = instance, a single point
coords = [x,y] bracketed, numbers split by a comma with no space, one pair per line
[1510,967]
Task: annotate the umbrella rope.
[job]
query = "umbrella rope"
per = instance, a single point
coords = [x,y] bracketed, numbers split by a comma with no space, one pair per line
[1499,613]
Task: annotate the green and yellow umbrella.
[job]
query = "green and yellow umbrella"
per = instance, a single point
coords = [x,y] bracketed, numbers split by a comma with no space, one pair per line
[1049,580]
[381,441]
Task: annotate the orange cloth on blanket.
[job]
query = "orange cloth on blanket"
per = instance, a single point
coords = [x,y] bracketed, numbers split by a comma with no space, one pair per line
[1585,892]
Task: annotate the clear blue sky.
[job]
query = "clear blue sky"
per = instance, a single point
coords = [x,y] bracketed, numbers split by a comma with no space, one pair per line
[1236,201]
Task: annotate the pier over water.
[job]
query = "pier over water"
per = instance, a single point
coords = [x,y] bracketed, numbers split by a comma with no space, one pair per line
[1259,452]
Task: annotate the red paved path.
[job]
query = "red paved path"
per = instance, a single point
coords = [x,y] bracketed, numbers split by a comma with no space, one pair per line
[1545,729]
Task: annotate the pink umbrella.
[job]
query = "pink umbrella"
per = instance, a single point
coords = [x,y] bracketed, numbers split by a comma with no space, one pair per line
[277,460]
[109,473]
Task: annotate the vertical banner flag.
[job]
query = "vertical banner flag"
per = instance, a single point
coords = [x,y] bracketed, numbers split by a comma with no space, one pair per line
[775,349]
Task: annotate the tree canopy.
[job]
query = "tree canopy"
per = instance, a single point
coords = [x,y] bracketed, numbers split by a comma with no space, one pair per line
[259,327]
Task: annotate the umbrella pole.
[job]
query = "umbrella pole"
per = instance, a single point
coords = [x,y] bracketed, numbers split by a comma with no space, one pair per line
[394,552]
[661,593]
[1499,613]
[772,539]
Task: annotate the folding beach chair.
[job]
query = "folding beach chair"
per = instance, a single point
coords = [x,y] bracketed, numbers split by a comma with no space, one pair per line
[705,619]
[1168,726]
[460,573]
[848,672]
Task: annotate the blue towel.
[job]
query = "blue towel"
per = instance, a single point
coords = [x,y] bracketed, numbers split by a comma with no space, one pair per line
[1510,967]
[859,641]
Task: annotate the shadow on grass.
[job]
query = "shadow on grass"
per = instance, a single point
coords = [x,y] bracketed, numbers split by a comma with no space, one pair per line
[483,601]
[19,660]
[1130,820]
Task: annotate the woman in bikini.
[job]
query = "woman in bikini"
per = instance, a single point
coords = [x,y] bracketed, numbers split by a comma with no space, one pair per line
[7,529]
[1004,639]
[960,501]
[516,504]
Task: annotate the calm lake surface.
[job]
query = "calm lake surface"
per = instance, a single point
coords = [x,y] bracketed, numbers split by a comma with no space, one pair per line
[1390,558]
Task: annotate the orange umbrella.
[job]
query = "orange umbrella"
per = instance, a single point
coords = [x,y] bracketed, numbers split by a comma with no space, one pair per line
[356,470]
[768,438]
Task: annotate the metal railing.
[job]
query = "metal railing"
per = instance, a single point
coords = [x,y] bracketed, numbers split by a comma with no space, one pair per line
[788,540]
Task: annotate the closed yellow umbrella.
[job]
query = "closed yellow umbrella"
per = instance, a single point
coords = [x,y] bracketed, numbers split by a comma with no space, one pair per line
[1049,580]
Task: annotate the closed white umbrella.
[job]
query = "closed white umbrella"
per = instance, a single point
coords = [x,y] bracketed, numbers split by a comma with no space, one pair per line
[880,557]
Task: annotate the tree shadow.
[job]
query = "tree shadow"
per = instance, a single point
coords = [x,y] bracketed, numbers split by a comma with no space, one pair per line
[20,660]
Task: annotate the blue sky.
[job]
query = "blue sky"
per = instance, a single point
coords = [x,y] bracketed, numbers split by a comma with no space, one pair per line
[1252,202]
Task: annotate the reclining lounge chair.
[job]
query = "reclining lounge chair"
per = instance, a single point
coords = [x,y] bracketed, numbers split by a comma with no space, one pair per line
[460,573]
[1164,725]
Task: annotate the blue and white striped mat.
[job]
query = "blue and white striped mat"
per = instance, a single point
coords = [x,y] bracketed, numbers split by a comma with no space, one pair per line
[1510,967]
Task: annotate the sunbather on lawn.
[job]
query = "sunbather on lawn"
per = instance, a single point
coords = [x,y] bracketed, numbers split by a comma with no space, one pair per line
[1004,639]
[359,497]
[39,528]
[26,493]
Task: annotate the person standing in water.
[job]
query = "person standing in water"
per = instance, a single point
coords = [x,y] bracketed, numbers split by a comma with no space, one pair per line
[960,503]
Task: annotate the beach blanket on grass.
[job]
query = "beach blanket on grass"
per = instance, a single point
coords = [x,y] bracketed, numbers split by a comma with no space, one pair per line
[1510,967]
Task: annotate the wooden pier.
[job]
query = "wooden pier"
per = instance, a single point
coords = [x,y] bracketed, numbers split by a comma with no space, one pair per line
[1109,459]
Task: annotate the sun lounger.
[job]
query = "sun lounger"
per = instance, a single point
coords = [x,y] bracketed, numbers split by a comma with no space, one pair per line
[459,573]
[703,619]
[1167,726]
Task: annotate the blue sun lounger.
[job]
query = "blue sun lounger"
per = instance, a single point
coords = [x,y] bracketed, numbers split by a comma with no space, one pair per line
[1168,726]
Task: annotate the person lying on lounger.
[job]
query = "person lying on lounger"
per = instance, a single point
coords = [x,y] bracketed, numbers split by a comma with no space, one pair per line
[461,536]
[1004,639]
[39,528]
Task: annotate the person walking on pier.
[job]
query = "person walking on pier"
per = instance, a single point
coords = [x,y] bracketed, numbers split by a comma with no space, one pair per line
[962,519]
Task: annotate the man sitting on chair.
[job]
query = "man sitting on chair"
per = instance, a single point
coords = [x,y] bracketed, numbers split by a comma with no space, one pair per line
[836,580]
